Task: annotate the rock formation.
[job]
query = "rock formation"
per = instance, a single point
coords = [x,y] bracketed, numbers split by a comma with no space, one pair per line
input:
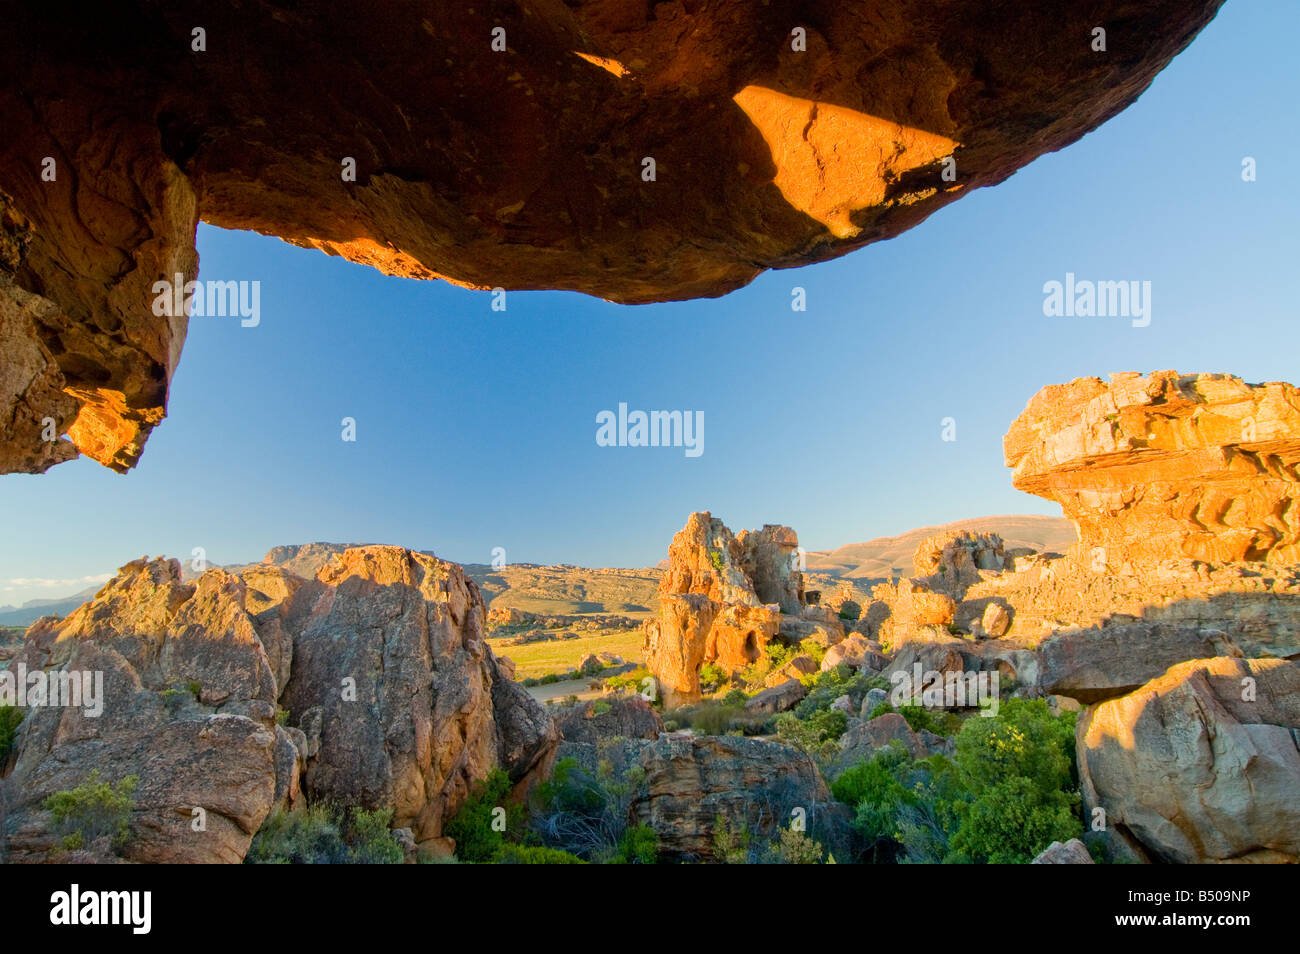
[392,697]
[720,601]
[1201,764]
[1166,465]
[689,782]
[641,152]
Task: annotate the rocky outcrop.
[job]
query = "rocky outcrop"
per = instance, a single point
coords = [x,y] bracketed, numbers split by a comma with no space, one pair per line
[640,152]
[1114,659]
[626,716]
[1199,466]
[721,601]
[689,782]
[1201,764]
[392,699]
[188,706]
[865,737]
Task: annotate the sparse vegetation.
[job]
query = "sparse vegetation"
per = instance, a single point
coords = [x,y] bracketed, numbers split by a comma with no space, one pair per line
[323,834]
[95,815]
[10,718]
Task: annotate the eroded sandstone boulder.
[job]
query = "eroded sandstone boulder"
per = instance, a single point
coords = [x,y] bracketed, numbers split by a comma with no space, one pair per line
[1114,659]
[689,782]
[1199,466]
[778,137]
[1201,764]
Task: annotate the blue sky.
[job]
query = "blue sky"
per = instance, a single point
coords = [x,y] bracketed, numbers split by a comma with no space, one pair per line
[476,429]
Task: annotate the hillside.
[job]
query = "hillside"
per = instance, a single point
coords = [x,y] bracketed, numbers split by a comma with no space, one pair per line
[892,556]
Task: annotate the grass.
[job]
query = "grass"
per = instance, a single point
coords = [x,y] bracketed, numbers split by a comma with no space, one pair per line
[538,659]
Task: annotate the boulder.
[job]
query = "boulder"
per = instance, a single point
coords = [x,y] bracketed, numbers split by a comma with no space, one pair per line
[1116,658]
[768,557]
[1201,764]
[756,785]
[188,707]
[854,651]
[1072,852]
[795,669]
[624,715]
[778,698]
[865,737]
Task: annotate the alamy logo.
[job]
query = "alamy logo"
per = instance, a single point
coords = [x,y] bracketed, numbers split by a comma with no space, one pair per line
[64,688]
[651,429]
[210,299]
[74,907]
[946,690]
[1087,299]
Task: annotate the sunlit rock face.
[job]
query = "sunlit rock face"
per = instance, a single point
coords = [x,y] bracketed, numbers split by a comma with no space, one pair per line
[777,134]
[1197,466]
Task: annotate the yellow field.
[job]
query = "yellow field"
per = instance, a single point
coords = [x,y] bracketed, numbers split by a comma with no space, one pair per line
[539,659]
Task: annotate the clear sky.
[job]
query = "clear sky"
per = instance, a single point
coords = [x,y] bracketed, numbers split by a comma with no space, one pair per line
[476,429]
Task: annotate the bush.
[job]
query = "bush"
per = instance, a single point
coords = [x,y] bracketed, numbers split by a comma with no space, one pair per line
[629,680]
[535,855]
[1008,792]
[712,676]
[94,813]
[10,718]
[813,650]
[919,718]
[812,734]
[792,847]
[639,846]
[371,839]
[477,828]
[322,834]
[586,813]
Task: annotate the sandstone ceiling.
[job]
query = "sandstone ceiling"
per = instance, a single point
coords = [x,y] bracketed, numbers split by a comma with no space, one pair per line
[520,168]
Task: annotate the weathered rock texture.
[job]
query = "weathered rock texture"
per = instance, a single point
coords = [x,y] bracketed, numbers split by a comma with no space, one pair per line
[521,168]
[1166,465]
[393,700]
[689,782]
[720,601]
[1201,764]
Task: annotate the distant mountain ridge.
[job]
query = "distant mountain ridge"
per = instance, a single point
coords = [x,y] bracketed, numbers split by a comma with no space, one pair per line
[892,556]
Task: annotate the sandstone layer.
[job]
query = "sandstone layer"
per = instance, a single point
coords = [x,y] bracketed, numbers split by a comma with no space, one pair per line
[779,134]
[1199,466]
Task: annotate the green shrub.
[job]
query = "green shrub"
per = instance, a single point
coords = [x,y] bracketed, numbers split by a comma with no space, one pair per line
[477,828]
[510,854]
[639,846]
[94,812]
[600,707]
[628,680]
[719,562]
[586,813]
[322,834]
[812,733]
[371,839]
[1009,791]
[10,718]
[813,650]
[730,843]
[712,676]
[792,847]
